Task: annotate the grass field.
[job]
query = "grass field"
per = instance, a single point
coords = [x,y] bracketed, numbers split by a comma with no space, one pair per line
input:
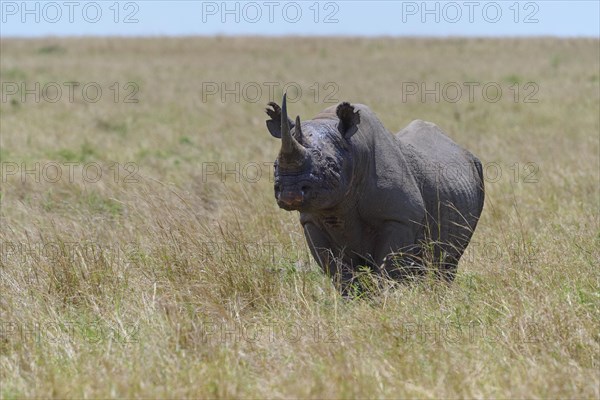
[143,253]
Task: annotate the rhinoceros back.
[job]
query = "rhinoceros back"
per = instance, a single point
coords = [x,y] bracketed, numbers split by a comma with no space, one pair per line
[451,182]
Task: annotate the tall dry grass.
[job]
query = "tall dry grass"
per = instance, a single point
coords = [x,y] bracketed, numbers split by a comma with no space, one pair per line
[169,278]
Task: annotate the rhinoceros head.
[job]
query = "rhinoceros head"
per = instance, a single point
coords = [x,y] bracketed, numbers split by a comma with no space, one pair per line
[314,168]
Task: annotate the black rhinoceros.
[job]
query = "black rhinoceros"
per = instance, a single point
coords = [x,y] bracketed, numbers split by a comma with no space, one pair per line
[369,198]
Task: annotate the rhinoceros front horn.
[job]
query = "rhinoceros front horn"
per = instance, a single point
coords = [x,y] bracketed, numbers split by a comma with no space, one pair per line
[292,151]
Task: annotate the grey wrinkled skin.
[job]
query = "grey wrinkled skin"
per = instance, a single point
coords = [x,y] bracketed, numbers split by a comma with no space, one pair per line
[367,197]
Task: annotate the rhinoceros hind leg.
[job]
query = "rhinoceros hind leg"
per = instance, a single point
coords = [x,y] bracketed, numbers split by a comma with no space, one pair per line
[404,266]
[447,269]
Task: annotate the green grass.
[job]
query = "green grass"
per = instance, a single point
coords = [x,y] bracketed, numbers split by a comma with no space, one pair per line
[166,276]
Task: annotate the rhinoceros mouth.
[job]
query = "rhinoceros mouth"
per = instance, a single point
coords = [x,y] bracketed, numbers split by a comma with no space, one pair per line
[291,200]
[291,207]
[287,207]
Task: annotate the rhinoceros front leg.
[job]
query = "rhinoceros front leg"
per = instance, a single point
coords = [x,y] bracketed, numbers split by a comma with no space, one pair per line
[331,263]
[398,251]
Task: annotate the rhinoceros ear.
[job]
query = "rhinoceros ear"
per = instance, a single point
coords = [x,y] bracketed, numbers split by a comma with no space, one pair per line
[349,119]
[274,124]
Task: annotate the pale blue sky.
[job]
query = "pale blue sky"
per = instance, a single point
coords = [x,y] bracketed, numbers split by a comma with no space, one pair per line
[361,18]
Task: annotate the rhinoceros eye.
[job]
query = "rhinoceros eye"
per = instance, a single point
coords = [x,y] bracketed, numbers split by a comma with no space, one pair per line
[316,154]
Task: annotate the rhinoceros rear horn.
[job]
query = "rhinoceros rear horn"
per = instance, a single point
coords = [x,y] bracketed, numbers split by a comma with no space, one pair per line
[349,119]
